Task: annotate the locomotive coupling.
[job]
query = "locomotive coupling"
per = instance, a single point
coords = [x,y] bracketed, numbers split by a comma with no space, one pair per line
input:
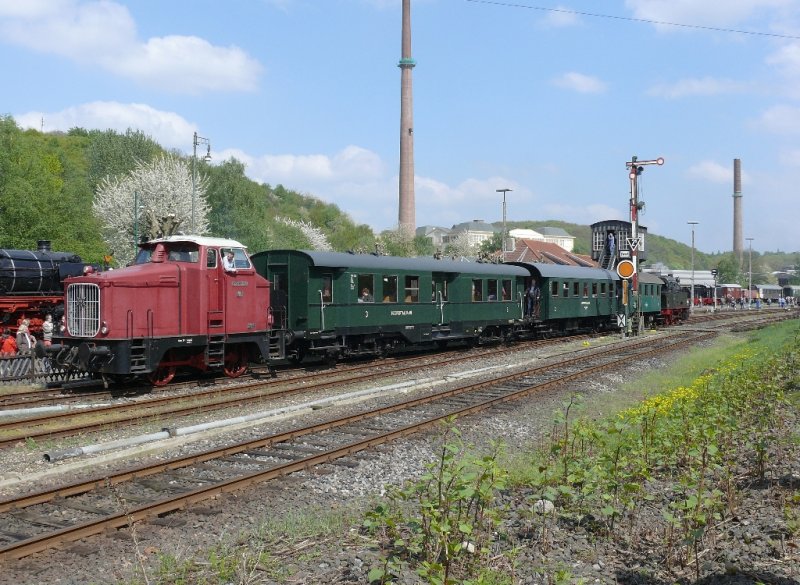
[87,351]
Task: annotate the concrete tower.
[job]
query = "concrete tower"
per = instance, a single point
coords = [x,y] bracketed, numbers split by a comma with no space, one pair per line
[407,217]
[738,239]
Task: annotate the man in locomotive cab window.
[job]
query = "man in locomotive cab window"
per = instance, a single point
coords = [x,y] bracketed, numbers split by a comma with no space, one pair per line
[228,263]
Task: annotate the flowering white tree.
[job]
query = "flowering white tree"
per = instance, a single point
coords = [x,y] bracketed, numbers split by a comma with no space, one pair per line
[316,238]
[153,200]
[460,246]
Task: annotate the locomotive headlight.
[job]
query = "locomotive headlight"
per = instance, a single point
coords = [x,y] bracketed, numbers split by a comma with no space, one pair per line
[104,328]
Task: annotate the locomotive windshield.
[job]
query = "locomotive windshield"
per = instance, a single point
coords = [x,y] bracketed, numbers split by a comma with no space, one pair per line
[143,257]
[180,252]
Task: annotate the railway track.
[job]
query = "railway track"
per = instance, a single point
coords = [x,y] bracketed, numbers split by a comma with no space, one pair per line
[36,522]
[37,425]
[62,424]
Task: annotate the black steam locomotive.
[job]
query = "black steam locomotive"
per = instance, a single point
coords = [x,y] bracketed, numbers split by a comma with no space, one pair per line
[32,284]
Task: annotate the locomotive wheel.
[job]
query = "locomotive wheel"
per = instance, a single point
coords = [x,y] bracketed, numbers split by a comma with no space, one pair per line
[162,375]
[235,362]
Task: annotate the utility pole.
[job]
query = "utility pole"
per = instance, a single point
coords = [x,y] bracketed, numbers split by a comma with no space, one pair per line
[504,191]
[636,168]
[750,274]
[691,296]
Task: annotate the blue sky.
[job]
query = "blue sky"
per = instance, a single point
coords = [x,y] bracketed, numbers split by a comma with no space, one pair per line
[538,96]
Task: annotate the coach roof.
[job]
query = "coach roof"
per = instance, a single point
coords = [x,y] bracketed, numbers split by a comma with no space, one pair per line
[568,271]
[421,264]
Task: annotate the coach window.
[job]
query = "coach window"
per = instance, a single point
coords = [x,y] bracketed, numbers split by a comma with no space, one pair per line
[389,289]
[492,290]
[565,290]
[507,290]
[412,289]
[477,290]
[554,288]
[594,290]
[366,282]
[602,289]
[211,259]
[327,289]
[576,289]
[585,290]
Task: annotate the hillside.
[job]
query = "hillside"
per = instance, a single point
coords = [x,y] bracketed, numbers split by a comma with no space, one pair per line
[677,255]
[48,183]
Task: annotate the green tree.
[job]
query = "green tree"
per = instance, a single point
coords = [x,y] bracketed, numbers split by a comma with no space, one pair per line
[43,192]
[111,154]
[728,270]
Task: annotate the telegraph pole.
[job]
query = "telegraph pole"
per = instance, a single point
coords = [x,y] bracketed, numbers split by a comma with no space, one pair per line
[635,243]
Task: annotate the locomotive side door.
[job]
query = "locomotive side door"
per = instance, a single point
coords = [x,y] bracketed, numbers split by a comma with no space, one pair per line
[216,292]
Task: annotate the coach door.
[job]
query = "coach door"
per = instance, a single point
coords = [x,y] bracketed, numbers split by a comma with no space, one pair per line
[439,298]
[279,297]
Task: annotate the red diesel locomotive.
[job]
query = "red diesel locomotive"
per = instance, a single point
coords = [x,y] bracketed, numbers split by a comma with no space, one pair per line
[175,306]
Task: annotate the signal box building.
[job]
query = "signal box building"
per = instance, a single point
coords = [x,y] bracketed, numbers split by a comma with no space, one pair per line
[621,230]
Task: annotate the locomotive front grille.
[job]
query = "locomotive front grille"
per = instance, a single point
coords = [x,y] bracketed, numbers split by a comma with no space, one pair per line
[83,310]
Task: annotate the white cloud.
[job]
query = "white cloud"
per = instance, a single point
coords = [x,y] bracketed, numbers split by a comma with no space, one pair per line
[780,120]
[580,83]
[308,171]
[104,34]
[790,158]
[714,172]
[705,86]
[692,12]
[166,128]
[559,17]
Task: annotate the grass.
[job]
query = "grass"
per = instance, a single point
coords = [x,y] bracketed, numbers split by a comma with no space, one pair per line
[274,550]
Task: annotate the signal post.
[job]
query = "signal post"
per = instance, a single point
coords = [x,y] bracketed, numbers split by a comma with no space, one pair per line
[635,243]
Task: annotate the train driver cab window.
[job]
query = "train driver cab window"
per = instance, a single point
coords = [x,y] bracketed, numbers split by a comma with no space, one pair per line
[327,288]
[240,259]
[506,290]
[412,289]
[183,253]
[477,290]
[366,288]
[143,257]
[554,288]
[492,290]
[211,258]
[389,289]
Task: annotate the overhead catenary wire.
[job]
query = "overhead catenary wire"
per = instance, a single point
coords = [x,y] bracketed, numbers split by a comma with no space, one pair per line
[633,19]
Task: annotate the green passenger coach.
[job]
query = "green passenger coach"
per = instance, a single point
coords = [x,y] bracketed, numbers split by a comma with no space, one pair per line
[336,304]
